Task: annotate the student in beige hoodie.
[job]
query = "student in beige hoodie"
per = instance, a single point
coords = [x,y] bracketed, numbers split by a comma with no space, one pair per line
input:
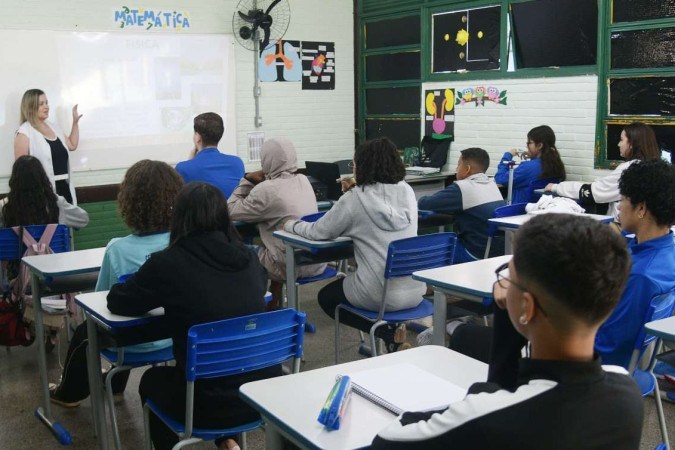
[270,197]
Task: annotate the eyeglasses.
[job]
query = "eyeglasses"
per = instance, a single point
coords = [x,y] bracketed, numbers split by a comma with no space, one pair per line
[503,282]
[350,164]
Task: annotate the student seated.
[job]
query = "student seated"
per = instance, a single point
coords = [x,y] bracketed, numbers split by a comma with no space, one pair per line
[270,197]
[207,163]
[206,274]
[472,199]
[145,202]
[565,277]
[647,209]
[638,143]
[543,162]
[31,201]
[379,207]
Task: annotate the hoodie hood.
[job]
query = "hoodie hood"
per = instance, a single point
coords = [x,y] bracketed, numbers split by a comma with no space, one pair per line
[278,157]
[215,250]
[392,207]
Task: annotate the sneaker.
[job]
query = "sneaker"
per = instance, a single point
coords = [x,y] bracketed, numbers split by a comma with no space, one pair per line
[54,395]
[425,337]
[662,368]
[454,324]
[400,334]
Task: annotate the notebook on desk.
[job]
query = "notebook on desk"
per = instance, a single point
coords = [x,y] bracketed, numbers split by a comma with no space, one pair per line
[405,387]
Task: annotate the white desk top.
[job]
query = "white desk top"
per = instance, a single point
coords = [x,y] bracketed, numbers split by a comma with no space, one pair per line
[473,278]
[292,402]
[67,263]
[664,328]
[96,304]
[299,241]
[433,176]
[517,221]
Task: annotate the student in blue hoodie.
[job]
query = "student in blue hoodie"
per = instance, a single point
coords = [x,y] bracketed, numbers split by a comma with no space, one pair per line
[543,162]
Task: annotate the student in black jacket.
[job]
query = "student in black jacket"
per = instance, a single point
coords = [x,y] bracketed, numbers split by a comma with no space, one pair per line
[565,278]
[206,274]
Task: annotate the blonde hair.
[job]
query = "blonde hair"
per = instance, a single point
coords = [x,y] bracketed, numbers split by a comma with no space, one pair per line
[30,103]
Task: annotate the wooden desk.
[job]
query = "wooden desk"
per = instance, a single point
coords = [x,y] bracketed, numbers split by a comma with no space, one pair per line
[60,273]
[471,280]
[290,404]
[511,224]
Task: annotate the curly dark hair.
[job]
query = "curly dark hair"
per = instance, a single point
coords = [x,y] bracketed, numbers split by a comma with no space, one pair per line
[201,207]
[578,265]
[147,195]
[378,161]
[643,141]
[651,182]
[31,199]
[551,163]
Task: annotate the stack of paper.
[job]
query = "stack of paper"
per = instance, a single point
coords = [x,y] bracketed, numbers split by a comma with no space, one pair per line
[418,170]
[53,304]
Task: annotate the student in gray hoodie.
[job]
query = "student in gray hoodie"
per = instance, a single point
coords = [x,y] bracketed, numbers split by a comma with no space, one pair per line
[379,208]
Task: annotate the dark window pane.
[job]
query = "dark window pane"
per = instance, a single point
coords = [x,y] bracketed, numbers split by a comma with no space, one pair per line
[466,40]
[665,136]
[399,31]
[633,10]
[643,48]
[404,132]
[404,100]
[555,33]
[642,96]
[393,66]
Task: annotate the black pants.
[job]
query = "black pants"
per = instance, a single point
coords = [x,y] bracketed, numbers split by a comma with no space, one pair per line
[217,402]
[75,378]
[332,295]
[63,189]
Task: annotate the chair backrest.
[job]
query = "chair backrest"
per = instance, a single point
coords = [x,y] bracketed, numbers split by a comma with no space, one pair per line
[313,217]
[11,250]
[343,166]
[428,251]
[515,209]
[660,307]
[244,344]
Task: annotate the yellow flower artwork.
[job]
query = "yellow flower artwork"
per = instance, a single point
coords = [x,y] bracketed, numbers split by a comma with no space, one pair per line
[462,37]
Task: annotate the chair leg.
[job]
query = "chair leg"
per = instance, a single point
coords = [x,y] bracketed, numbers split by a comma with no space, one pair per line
[242,441]
[487,248]
[111,403]
[373,343]
[659,410]
[146,427]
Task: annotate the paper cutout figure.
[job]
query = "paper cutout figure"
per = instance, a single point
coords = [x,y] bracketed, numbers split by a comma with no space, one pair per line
[479,95]
[281,62]
[440,116]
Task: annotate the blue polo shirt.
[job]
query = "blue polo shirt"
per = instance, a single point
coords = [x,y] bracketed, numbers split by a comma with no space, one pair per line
[210,166]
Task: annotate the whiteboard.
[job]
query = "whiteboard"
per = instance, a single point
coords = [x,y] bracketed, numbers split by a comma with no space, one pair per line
[139,92]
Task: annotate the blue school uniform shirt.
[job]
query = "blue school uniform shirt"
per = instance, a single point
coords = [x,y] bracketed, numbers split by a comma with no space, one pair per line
[210,166]
[124,256]
[652,273]
[524,173]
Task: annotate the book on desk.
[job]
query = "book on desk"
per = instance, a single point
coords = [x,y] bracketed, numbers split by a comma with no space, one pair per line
[418,170]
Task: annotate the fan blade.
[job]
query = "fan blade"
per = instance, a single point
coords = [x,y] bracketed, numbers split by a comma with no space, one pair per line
[266,40]
[272,5]
[246,18]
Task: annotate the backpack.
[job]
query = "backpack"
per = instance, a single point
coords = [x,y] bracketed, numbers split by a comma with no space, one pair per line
[434,152]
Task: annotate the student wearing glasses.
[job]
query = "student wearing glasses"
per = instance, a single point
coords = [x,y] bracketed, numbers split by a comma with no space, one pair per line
[542,160]
[559,395]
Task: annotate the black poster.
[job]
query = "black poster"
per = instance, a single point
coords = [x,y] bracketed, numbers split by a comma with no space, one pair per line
[318,65]
[466,40]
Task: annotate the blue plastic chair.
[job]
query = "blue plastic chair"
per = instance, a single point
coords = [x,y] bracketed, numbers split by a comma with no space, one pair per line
[515,209]
[660,307]
[404,257]
[232,347]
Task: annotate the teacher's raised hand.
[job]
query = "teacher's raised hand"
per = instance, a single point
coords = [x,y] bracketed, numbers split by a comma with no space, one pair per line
[76,116]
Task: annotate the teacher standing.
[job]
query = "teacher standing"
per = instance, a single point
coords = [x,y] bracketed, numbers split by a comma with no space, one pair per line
[45,140]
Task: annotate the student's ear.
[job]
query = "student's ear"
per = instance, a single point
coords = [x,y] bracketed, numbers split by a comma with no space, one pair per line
[528,308]
[641,209]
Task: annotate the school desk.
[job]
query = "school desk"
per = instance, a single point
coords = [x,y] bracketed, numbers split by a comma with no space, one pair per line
[471,281]
[53,274]
[290,404]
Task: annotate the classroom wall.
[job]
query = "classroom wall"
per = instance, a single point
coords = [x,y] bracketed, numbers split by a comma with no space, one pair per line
[321,123]
[566,104]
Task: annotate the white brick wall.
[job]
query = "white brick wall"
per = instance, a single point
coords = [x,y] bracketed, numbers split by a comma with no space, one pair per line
[566,104]
[321,123]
